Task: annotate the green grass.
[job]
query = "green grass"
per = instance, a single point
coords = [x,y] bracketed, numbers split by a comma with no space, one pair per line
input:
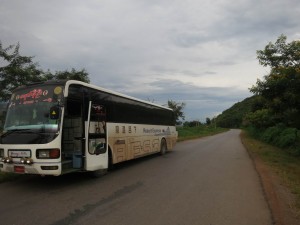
[186,133]
[287,166]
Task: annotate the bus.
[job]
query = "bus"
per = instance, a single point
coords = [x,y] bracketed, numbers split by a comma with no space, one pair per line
[58,127]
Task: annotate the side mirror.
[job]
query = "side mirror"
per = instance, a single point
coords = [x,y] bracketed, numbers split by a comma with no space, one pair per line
[54,112]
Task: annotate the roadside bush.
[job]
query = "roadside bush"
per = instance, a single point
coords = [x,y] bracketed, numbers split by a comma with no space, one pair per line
[271,134]
[260,119]
[254,132]
[287,138]
[280,136]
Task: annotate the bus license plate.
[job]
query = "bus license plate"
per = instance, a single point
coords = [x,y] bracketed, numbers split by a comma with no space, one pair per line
[19,153]
[19,169]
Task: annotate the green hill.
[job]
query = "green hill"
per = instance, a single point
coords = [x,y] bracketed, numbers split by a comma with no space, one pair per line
[233,117]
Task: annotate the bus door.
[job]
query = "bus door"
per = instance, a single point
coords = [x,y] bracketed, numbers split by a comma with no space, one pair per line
[95,136]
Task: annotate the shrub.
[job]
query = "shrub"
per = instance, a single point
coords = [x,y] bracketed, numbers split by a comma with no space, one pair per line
[271,134]
[260,118]
[287,138]
[280,136]
[254,132]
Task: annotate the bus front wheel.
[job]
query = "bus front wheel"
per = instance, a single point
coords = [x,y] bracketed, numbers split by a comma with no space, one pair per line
[163,147]
[98,173]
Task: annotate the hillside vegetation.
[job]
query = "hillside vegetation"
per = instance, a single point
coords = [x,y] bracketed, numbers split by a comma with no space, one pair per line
[233,117]
[273,113]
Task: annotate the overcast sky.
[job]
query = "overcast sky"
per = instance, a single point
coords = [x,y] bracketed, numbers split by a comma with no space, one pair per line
[200,52]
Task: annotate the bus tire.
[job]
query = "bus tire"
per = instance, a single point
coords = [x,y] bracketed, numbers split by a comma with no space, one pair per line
[163,146]
[98,173]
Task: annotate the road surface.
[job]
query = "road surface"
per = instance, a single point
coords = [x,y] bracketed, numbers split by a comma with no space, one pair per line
[208,181]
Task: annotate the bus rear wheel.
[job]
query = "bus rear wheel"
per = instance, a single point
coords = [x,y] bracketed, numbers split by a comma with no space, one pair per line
[163,147]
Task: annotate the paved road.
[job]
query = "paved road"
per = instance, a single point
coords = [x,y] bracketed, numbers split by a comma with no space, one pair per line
[210,181]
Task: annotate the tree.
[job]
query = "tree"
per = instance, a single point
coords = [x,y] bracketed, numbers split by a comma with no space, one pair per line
[193,123]
[260,119]
[20,70]
[280,54]
[177,108]
[280,89]
[17,70]
[208,121]
[80,75]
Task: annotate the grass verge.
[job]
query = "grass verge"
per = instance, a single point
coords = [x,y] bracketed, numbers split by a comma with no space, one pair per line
[187,133]
[281,162]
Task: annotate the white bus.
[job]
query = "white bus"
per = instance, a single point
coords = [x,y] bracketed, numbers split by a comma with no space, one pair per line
[58,127]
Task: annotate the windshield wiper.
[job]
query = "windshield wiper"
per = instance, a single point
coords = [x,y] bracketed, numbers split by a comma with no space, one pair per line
[13,131]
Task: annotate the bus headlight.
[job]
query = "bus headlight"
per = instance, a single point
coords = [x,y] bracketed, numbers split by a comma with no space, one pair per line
[48,153]
[7,160]
[27,161]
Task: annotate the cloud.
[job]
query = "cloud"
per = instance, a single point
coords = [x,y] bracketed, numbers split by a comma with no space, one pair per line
[201,102]
[201,52]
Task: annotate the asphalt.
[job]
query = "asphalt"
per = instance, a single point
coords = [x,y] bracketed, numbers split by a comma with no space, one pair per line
[209,181]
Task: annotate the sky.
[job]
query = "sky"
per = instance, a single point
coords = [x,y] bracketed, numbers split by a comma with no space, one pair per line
[200,52]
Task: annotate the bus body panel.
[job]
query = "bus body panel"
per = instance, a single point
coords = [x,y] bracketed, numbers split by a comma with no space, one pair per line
[130,141]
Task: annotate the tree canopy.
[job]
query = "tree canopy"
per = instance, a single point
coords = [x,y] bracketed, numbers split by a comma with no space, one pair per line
[17,70]
[80,75]
[177,108]
[281,88]
[276,97]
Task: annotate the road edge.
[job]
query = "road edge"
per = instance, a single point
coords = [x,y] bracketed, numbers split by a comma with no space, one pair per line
[275,194]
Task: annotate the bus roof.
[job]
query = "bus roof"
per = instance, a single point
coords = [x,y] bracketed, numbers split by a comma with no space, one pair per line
[69,82]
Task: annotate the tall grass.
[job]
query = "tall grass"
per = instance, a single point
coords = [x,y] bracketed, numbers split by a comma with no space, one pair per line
[280,136]
[186,133]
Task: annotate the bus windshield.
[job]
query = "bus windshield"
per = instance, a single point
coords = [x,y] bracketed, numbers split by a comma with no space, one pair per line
[29,109]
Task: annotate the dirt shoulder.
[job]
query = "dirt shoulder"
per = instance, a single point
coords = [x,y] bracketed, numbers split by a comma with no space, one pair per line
[280,199]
